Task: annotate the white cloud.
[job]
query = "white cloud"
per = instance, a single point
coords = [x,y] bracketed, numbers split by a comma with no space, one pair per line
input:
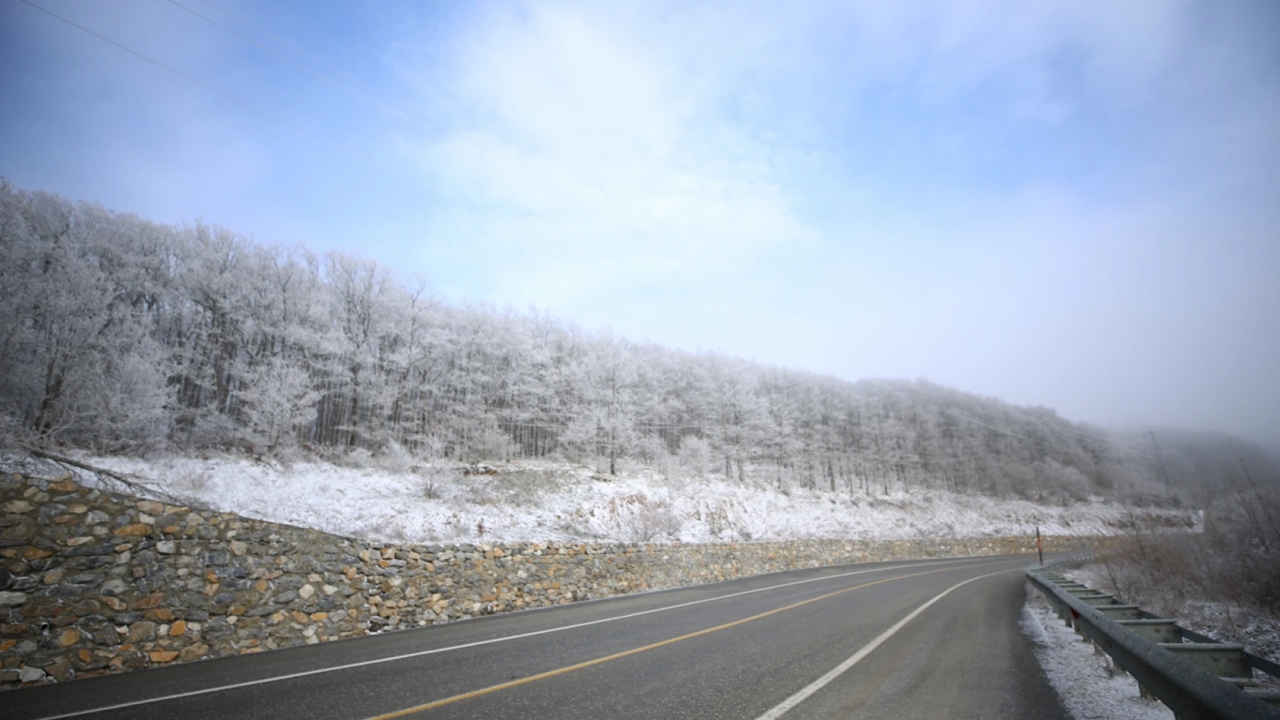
[607,167]
[970,190]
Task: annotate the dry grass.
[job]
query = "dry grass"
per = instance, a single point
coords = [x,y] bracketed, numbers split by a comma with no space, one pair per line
[1224,581]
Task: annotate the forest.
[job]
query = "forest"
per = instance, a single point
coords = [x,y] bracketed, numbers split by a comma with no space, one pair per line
[121,335]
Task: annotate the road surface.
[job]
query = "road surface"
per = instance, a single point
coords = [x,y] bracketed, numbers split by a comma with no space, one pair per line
[930,639]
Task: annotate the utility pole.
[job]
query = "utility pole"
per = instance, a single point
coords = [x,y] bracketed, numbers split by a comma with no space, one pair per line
[1164,474]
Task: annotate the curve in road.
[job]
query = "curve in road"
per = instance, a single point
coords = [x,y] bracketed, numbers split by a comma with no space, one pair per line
[930,639]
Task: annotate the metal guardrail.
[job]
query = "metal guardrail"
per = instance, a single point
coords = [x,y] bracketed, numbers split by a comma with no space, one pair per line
[1197,680]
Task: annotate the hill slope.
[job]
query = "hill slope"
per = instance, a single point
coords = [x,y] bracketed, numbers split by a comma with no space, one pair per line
[121,335]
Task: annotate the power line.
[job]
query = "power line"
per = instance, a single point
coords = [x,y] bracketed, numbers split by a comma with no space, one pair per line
[259,45]
[462,145]
[159,64]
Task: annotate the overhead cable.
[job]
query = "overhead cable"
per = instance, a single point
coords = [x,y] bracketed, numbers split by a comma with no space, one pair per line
[162,65]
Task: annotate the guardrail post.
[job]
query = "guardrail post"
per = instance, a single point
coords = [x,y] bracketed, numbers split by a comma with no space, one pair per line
[1226,660]
[1157,630]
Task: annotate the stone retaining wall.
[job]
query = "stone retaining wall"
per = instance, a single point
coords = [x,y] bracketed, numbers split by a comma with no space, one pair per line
[94,582]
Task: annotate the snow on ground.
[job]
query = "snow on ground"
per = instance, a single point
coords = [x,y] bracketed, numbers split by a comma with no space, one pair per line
[1088,683]
[409,501]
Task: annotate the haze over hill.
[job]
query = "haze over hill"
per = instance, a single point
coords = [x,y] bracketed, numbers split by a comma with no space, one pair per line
[121,335]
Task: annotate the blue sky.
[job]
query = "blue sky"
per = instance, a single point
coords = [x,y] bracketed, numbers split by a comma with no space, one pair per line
[1071,204]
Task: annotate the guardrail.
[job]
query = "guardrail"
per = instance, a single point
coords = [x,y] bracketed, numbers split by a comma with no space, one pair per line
[1194,676]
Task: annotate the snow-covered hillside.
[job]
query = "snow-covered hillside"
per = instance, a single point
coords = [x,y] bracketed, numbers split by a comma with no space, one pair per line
[542,501]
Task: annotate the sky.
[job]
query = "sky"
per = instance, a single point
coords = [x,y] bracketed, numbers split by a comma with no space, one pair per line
[1067,203]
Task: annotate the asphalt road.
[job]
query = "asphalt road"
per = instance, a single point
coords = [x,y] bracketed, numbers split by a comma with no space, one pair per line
[889,640]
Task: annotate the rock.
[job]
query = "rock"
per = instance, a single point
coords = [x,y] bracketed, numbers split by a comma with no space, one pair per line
[142,631]
[69,637]
[35,553]
[306,592]
[151,507]
[179,627]
[135,529]
[106,636]
[217,559]
[162,656]
[114,586]
[149,601]
[238,547]
[51,577]
[128,661]
[87,551]
[30,674]
[166,547]
[160,614]
[9,598]
[17,506]
[194,652]
[234,572]
[60,670]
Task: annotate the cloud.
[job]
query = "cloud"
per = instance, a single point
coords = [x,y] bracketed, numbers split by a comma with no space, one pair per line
[998,195]
[1050,202]
[651,145]
[598,164]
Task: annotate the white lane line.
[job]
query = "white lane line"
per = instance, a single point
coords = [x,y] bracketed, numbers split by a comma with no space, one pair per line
[813,687]
[506,638]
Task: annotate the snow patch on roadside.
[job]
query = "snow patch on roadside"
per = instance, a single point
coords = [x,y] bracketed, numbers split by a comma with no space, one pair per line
[418,501]
[1089,685]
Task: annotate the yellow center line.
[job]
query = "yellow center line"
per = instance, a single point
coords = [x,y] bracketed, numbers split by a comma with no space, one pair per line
[635,651]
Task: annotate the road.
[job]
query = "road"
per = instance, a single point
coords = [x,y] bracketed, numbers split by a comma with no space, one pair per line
[887,640]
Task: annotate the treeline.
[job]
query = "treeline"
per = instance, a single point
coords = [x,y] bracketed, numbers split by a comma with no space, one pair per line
[119,334]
